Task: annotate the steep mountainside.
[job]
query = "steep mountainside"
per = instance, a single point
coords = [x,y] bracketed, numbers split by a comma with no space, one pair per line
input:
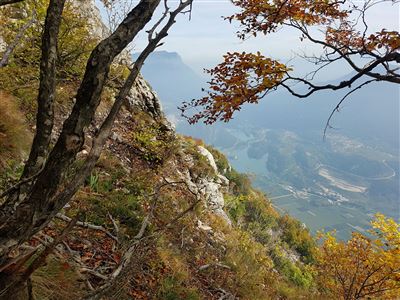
[197,228]
[162,216]
[335,183]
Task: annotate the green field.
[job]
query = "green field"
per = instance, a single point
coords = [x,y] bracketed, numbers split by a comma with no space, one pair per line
[335,185]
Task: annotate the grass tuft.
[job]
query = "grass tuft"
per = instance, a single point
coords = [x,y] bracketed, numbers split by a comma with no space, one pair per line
[14,135]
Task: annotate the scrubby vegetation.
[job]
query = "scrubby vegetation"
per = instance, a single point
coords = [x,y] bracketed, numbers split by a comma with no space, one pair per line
[363,267]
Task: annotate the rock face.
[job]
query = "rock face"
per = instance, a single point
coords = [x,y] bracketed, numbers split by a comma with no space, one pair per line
[211,188]
[144,97]
[3,45]
[207,154]
[212,192]
[89,10]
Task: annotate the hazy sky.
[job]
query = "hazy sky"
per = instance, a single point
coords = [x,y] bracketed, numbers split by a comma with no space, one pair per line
[207,36]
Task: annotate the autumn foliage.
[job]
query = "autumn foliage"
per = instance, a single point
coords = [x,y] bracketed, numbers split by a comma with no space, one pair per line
[362,267]
[343,35]
[242,77]
[266,16]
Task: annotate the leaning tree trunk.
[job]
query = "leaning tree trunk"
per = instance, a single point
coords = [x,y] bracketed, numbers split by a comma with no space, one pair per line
[20,221]
[44,117]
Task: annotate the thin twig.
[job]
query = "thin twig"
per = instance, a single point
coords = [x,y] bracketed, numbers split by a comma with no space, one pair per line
[87,225]
[337,107]
[114,223]
[18,37]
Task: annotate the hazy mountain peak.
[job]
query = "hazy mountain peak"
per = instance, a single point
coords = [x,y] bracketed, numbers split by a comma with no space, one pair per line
[172,78]
[164,56]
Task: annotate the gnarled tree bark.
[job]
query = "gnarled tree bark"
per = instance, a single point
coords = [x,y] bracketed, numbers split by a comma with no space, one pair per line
[12,284]
[47,86]
[45,106]
[18,223]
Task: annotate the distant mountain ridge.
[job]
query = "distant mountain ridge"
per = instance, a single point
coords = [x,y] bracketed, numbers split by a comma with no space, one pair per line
[370,113]
[173,80]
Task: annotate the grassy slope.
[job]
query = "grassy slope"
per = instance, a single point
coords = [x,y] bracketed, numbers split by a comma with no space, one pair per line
[250,259]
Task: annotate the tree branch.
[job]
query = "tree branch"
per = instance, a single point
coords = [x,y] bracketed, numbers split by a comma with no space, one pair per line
[337,107]
[10,48]
[87,225]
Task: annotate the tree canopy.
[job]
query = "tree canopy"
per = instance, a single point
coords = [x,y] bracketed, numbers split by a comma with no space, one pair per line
[363,266]
[339,27]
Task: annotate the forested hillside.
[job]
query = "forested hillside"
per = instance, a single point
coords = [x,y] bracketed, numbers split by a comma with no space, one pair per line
[159,216]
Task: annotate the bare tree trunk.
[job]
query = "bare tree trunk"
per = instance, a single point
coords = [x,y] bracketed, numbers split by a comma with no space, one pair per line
[44,116]
[12,285]
[46,94]
[45,110]
[47,86]
[18,223]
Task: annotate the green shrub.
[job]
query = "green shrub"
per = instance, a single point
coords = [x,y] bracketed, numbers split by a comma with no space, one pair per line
[252,213]
[235,207]
[298,237]
[153,144]
[297,273]
[171,288]
[250,264]
[240,183]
